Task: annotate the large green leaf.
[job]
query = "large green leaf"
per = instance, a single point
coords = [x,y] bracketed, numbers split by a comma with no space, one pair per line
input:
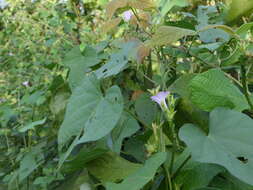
[187,112]
[141,176]
[229,138]
[212,89]
[118,61]
[79,62]
[111,167]
[209,35]
[126,127]
[198,175]
[90,111]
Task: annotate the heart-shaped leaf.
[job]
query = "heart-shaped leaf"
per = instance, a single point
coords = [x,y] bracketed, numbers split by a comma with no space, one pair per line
[229,142]
[90,111]
[213,89]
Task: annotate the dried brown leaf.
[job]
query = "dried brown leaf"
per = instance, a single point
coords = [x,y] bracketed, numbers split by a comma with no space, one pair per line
[114,5]
[111,24]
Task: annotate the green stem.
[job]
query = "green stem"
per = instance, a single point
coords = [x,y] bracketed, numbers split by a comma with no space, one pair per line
[174,144]
[245,87]
[168,178]
[180,167]
[150,71]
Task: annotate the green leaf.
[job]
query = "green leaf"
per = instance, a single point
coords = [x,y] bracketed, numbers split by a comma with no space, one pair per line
[31,161]
[111,167]
[243,29]
[78,181]
[233,58]
[27,166]
[126,127]
[146,109]
[32,125]
[166,6]
[58,102]
[197,175]
[212,89]
[227,182]
[118,61]
[238,8]
[142,176]
[79,63]
[83,157]
[166,35]
[90,111]
[136,148]
[229,138]
[204,17]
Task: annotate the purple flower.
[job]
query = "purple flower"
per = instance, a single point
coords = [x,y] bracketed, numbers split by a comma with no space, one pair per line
[26,84]
[160,98]
[127,15]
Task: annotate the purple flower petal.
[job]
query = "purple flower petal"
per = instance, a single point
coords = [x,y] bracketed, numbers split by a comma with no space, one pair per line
[127,15]
[160,98]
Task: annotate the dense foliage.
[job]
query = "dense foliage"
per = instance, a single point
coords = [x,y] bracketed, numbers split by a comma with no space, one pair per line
[126,94]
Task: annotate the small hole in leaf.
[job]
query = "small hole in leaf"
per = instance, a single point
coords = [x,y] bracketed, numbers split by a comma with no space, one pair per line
[105,70]
[243,159]
[116,99]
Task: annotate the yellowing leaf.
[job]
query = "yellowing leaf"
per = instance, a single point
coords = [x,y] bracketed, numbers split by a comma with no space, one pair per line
[142,52]
[114,5]
[137,4]
[144,19]
[141,4]
[238,8]
[168,34]
[111,24]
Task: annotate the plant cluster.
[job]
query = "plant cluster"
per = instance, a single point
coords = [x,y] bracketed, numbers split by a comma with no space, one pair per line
[126,94]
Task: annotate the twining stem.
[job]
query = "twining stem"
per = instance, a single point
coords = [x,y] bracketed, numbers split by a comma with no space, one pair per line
[245,86]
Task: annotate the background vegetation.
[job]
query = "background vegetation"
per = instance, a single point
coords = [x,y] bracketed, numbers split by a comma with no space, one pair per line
[126,94]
